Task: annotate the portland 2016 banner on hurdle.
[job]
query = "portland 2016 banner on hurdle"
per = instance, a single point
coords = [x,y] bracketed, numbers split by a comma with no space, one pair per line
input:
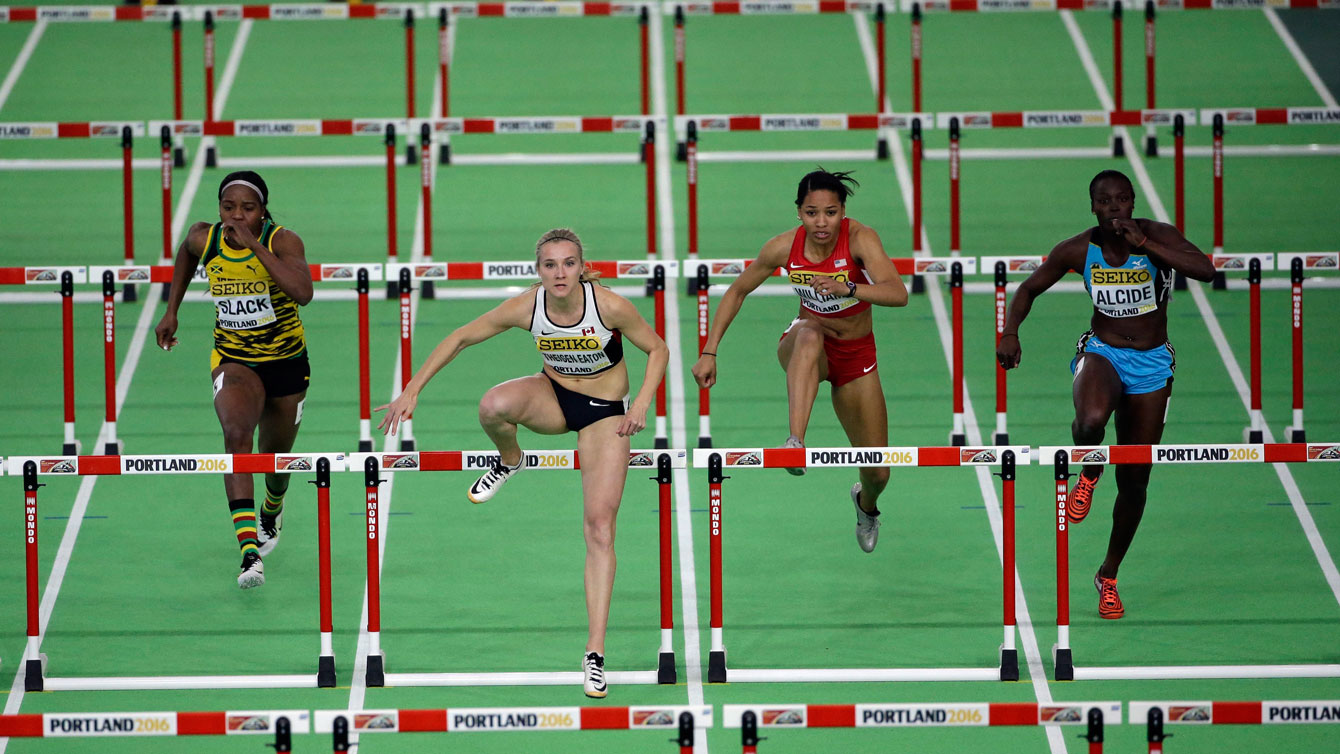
[719,460]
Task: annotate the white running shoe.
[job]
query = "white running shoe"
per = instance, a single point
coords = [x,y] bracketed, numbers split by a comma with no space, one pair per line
[867,526]
[593,675]
[487,486]
[253,571]
[267,531]
[794,442]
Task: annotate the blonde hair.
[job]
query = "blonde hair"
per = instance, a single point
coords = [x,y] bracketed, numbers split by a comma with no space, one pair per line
[569,235]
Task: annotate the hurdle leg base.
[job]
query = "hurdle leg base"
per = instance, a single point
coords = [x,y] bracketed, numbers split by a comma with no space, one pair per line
[918,284]
[129,294]
[163,294]
[662,443]
[1000,438]
[33,674]
[70,448]
[1179,281]
[1295,434]
[1118,145]
[882,149]
[681,152]
[958,439]
[406,444]
[211,156]
[428,290]
[411,155]
[704,441]
[1151,146]
[716,667]
[376,675]
[178,157]
[1009,664]
[1219,282]
[364,446]
[113,448]
[1253,436]
[651,287]
[392,289]
[691,286]
[325,672]
[1065,666]
[444,154]
[665,670]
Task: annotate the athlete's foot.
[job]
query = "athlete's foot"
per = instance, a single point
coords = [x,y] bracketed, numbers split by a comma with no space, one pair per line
[794,442]
[253,571]
[487,486]
[593,675]
[1109,602]
[867,524]
[1080,499]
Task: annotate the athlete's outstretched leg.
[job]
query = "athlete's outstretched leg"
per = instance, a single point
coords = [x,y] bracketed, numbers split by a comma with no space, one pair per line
[801,354]
[1096,390]
[604,470]
[1139,422]
[860,408]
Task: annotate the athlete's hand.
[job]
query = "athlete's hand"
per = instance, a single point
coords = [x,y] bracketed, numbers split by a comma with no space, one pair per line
[238,235]
[166,331]
[705,371]
[1009,351]
[397,411]
[1129,230]
[828,285]
[634,420]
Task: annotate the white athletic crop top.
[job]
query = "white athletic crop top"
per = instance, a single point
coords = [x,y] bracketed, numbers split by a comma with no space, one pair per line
[580,350]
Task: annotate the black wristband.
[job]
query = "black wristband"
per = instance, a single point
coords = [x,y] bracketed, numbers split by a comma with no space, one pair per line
[851,289]
[707,353]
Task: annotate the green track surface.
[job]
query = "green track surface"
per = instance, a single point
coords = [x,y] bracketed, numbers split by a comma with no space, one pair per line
[1221,573]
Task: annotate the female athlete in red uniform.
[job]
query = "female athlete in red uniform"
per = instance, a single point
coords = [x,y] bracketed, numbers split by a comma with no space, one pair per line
[838,268]
[582,388]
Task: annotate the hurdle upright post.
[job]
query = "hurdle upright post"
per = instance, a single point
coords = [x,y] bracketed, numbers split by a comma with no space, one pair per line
[658,288]
[409,82]
[1255,432]
[392,290]
[406,354]
[955,247]
[681,150]
[881,141]
[113,446]
[1151,136]
[211,154]
[1218,155]
[1154,734]
[665,671]
[71,445]
[1009,654]
[1002,435]
[1179,187]
[165,166]
[957,435]
[716,658]
[128,203]
[649,158]
[749,732]
[325,668]
[691,173]
[704,395]
[1061,656]
[916,185]
[364,366]
[376,672]
[1118,142]
[426,183]
[916,57]
[644,79]
[34,666]
[444,60]
[179,156]
[1295,431]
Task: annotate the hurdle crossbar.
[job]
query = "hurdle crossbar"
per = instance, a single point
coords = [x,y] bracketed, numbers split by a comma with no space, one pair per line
[717,460]
[1062,457]
[510,719]
[375,464]
[278,723]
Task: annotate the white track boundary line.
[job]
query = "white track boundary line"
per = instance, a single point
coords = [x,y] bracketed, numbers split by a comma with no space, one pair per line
[1023,619]
[676,396]
[1305,520]
[1303,63]
[66,549]
[21,62]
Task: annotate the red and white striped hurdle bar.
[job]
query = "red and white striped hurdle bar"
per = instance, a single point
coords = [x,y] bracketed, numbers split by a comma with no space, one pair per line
[1061,458]
[749,718]
[510,719]
[374,464]
[32,468]
[992,6]
[125,724]
[717,461]
[1154,715]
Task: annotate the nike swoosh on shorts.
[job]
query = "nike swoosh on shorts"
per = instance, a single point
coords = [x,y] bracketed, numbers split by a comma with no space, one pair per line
[598,405]
[867,369]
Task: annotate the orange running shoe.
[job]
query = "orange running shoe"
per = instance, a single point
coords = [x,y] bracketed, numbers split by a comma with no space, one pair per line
[1109,602]
[1080,498]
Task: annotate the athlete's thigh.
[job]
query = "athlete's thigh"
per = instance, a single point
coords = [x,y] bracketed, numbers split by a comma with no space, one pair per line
[860,408]
[530,401]
[239,396]
[604,457]
[279,423]
[786,347]
[1140,417]
[1096,387]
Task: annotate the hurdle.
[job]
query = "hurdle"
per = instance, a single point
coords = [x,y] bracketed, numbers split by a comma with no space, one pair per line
[374,464]
[1154,715]
[65,277]
[749,718]
[1000,268]
[1297,263]
[32,468]
[654,270]
[1253,264]
[1062,457]
[718,460]
[278,724]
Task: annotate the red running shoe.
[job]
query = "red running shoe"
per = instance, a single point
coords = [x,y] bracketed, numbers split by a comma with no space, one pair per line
[1109,602]
[1080,498]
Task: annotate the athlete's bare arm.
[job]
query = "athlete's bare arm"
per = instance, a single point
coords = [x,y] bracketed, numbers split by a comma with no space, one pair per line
[886,287]
[188,258]
[1166,244]
[287,264]
[1064,257]
[770,257]
[620,313]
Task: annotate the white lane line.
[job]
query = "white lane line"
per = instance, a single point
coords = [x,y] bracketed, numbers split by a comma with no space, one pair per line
[688,579]
[1303,63]
[126,373]
[1151,195]
[21,62]
[1024,622]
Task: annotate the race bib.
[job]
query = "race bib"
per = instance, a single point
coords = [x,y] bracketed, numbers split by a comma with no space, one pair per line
[245,312]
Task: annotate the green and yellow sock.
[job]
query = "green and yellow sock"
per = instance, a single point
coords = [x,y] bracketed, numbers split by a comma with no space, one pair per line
[244,524]
[274,501]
